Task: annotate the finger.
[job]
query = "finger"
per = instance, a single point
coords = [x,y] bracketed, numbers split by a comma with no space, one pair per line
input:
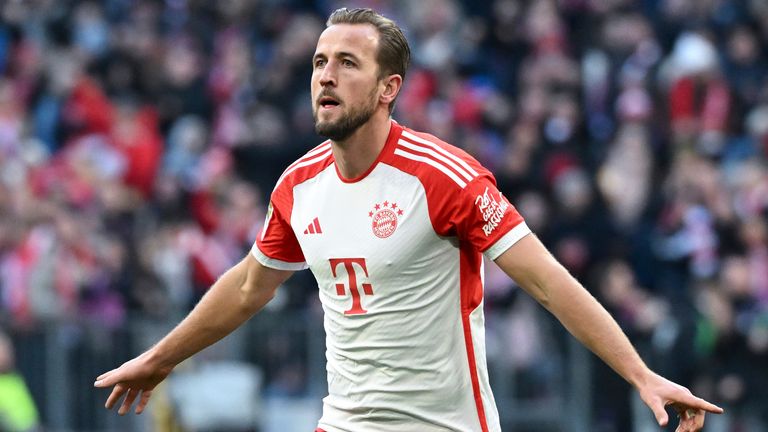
[145,395]
[117,392]
[128,401]
[698,403]
[686,426]
[662,418]
[691,420]
[99,382]
[108,379]
[708,407]
[697,420]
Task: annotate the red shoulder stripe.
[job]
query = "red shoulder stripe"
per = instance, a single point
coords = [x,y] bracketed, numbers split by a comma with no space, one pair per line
[307,161]
[403,152]
[439,157]
[440,149]
[314,152]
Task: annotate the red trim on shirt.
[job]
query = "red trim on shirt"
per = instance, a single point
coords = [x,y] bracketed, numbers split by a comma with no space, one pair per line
[389,147]
[454,209]
[471,297]
[278,240]
[441,155]
[317,150]
[305,165]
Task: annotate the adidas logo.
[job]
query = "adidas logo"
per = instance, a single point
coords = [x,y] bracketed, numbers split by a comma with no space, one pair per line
[314,228]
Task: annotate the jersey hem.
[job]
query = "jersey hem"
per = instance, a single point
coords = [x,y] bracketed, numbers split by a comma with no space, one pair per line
[276,263]
[507,240]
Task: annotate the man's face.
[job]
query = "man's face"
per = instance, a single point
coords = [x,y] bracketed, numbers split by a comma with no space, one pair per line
[345,88]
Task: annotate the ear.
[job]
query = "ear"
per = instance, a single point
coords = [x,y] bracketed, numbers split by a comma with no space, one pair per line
[392,85]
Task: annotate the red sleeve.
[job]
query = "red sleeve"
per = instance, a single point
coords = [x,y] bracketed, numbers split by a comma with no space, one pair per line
[277,246]
[484,215]
[462,196]
[478,214]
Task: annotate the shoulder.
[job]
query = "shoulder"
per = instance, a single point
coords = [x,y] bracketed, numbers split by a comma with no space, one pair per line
[309,165]
[434,161]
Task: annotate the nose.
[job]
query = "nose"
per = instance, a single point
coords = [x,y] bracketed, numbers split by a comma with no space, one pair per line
[328,75]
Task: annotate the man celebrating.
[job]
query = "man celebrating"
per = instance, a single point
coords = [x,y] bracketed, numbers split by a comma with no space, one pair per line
[394,225]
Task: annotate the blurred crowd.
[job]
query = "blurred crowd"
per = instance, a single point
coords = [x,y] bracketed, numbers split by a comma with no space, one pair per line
[139,141]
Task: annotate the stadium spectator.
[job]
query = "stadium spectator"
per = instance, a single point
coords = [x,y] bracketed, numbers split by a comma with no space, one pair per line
[18,412]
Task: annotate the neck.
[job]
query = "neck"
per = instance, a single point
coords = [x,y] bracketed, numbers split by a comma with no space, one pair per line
[357,153]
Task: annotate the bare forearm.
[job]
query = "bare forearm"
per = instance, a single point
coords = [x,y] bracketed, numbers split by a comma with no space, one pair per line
[545,279]
[593,326]
[227,304]
[589,322]
[234,298]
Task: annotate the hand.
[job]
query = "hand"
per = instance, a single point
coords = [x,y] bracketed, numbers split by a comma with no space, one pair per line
[657,392]
[135,378]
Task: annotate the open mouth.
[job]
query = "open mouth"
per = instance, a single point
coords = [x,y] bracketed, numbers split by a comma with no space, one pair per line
[328,102]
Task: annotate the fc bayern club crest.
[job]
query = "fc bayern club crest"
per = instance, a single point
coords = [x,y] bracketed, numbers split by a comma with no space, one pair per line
[384,218]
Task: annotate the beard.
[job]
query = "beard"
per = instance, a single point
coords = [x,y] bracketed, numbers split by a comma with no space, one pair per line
[344,127]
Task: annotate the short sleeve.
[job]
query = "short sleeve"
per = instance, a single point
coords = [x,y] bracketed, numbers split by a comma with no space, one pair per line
[277,246]
[486,219]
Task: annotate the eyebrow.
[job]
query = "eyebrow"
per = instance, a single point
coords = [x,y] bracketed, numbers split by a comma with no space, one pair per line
[340,54]
[348,54]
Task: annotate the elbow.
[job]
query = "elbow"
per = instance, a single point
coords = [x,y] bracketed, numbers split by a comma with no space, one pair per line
[258,284]
[266,297]
[252,298]
[540,287]
[540,293]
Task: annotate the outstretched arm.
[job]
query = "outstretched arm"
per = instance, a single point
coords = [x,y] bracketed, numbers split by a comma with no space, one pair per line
[530,264]
[236,296]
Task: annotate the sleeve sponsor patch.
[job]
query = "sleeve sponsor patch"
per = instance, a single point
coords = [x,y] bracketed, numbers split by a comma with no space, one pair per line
[492,210]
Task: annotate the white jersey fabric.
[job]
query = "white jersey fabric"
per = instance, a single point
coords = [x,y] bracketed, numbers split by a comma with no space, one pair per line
[398,256]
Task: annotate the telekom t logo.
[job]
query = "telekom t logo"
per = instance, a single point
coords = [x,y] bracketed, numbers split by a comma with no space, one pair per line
[357,306]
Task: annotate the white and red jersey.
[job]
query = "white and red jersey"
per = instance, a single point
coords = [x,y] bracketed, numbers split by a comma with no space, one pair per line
[398,257]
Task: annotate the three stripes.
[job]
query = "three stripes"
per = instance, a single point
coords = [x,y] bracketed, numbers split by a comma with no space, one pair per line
[314,228]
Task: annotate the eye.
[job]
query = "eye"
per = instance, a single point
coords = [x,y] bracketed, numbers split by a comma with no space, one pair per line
[348,63]
[319,63]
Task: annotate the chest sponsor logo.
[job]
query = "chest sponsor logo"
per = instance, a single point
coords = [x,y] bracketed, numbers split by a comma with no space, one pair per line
[384,218]
[352,266]
[491,209]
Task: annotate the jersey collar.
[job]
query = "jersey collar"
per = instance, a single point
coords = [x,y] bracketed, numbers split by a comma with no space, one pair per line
[389,147]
